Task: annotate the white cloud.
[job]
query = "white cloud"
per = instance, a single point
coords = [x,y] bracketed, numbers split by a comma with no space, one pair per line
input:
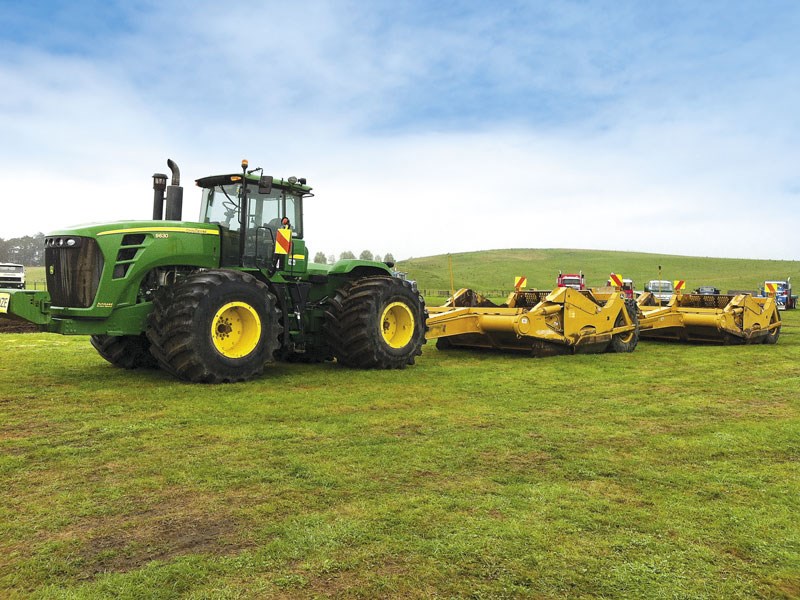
[669,150]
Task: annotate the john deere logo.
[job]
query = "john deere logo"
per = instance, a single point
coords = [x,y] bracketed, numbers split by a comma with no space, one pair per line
[52,270]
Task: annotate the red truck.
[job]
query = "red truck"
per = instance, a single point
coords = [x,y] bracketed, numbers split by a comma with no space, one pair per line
[576,282]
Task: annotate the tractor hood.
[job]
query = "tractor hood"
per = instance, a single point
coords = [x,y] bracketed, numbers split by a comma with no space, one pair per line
[124,227]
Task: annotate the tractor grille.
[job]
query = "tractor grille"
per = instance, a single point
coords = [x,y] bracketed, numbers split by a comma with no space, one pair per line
[73,265]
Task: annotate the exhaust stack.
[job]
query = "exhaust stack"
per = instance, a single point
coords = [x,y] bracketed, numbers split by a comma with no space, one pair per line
[174,210]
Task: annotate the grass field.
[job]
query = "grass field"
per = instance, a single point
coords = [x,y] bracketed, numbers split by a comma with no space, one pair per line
[670,472]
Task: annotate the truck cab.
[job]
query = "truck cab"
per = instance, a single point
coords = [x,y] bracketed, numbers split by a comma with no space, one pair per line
[783,293]
[628,289]
[661,289]
[12,276]
[571,280]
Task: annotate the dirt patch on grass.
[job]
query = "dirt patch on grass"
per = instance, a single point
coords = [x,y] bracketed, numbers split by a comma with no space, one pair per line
[9,325]
[175,526]
[788,588]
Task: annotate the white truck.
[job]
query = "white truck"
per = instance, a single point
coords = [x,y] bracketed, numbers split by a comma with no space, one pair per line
[661,289]
[12,276]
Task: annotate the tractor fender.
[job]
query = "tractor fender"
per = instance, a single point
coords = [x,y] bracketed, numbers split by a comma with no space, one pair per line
[359,268]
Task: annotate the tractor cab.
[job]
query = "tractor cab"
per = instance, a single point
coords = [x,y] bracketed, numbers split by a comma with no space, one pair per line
[249,237]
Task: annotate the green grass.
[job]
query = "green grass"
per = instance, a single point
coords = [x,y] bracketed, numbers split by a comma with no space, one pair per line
[496,269]
[671,472]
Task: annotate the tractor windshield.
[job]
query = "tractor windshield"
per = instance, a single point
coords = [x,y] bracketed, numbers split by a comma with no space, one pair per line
[221,205]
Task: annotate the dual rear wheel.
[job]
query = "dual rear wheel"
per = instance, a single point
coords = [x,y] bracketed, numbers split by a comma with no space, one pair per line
[376,323]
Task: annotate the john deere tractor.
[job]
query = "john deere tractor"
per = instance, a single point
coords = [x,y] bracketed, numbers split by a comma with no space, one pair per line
[214,301]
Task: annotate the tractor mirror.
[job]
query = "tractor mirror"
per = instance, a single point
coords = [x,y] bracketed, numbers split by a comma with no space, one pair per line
[265,184]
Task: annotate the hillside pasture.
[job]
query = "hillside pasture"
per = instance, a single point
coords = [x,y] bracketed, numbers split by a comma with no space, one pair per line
[496,269]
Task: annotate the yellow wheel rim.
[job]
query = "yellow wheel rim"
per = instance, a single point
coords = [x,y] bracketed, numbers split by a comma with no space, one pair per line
[235,330]
[397,324]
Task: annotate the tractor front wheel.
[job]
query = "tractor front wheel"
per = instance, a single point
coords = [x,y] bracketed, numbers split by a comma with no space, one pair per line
[376,323]
[125,351]
[216,326]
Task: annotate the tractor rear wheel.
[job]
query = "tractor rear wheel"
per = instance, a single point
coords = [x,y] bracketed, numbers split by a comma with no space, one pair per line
[125,351]
[626,342]
[376,323]
[215,326]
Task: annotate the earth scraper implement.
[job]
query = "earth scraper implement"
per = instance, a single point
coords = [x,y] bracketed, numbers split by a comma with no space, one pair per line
[543,323]
[716,318]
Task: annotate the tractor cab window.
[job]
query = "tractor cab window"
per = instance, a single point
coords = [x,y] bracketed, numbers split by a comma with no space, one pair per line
[221,205]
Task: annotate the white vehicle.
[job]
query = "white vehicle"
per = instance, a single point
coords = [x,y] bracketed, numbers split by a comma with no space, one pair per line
[12,276]
[662,290]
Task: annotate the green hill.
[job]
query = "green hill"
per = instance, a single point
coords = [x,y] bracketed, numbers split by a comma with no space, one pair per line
[496,269]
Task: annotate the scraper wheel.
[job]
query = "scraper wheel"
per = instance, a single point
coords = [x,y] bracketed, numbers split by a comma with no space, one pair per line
[772,336]
[626,342]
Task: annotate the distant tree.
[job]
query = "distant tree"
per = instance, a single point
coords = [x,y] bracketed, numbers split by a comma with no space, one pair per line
[331,259]
[346,254]
[365,255]
[377,256]
[27,250]
[389,257]
[319,257]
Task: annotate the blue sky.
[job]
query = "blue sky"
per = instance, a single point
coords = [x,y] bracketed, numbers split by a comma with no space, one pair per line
[424,127]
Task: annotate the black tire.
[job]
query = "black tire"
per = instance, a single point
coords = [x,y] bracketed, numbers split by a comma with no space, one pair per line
[215,326]
[444,343]
[772,336]
[376,323]
[627,342]
[125,351]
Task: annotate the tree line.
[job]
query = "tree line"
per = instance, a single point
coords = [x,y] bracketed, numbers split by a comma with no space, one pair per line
[329,259]
[27,250]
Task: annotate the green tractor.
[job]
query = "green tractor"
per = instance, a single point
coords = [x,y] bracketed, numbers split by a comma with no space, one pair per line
[214,301]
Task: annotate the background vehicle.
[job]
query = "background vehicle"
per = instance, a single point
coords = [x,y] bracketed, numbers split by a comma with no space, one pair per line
[783,293]
[12,276]
[571,280]
[661,289]
[707,289]
[213,301]
[627,287]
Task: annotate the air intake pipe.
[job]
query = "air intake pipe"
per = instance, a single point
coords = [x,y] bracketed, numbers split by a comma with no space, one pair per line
[159,185]
[174,210]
